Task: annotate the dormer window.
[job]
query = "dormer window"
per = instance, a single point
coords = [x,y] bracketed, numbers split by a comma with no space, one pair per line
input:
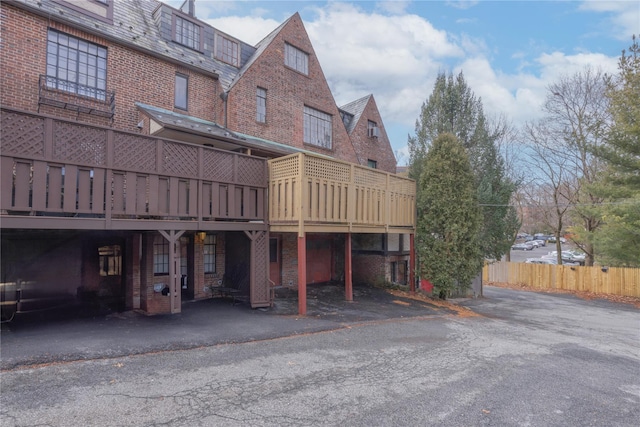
[346,118]
[296,59]
[97,9]
[227,50]
[186,32]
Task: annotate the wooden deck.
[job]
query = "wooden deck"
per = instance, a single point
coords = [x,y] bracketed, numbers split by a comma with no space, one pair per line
[60,174]
[309,193]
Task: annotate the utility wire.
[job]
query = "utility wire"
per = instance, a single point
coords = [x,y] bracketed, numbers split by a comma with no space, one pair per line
[634,202]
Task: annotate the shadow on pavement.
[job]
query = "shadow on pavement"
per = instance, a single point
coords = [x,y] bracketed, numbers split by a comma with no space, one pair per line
[60,336]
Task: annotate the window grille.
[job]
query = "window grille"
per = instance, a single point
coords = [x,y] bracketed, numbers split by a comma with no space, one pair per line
[317,128]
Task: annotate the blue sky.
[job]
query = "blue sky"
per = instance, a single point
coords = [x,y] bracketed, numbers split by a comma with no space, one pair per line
[509,51]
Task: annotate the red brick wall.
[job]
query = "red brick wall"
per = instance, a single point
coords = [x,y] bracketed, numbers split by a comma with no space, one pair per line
[374,269]
[289,242]
[133,75]
[288,91]
[377,149]
[152,302]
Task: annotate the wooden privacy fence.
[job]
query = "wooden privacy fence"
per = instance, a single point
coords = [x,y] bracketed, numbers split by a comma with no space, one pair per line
[599,280]
[53,167]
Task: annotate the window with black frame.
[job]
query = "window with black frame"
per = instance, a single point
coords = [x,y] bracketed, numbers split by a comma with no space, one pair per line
[317,128]
[209,254]
[76,65]
[160,256]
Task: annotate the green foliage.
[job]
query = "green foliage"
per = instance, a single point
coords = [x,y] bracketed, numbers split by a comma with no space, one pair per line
[448,217]
[453,108]
[618,240]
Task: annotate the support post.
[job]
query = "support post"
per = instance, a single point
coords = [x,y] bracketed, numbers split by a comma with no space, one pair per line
[348,270]
[412,263]
[302,275]
[175,291]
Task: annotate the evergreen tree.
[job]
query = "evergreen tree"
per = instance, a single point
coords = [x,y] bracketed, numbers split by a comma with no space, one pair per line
[618,240]
[449,219]
[452,107]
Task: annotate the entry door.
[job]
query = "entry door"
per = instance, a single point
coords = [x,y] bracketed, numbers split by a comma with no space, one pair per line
[319,259]
[275,269]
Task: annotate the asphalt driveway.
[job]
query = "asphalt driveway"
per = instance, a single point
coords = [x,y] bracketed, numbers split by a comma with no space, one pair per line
[529,359]
[54,337]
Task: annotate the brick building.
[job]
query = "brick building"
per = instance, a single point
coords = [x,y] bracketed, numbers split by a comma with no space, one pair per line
[142,150]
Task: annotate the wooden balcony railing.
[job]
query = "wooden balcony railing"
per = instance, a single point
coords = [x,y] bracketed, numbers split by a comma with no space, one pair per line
[56,171]
[317,194]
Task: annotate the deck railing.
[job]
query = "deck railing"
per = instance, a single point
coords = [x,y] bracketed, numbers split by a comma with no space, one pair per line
[63,169]
[318,193]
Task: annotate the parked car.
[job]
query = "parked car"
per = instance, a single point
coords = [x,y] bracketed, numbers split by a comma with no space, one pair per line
[521,247]
[552,239]
[533,244]
[548,261]
[540,243]
[568,257]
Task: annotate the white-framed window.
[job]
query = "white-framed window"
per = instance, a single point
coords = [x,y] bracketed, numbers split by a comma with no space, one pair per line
[372,129]
[210,253]
[261,105]
[76,65]
[181,92]
[227,50]
[186,33]
[317,128]
[160,256]
[296,59]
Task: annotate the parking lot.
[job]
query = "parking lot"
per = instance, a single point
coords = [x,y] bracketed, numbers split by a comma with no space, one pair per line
[521,256]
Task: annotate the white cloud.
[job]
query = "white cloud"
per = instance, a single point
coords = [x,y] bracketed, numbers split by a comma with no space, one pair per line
[392,57]
[623,16]
[461,4]
[249,29]
[395,7]
[557,64]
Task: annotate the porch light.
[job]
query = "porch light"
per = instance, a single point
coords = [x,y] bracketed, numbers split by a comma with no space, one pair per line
[201,235]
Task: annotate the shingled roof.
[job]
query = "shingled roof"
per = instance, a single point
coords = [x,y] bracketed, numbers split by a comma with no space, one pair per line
[145,25]
[355,108]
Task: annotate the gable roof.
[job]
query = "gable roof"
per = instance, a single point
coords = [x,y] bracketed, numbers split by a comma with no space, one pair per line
[259,49]
[355,108]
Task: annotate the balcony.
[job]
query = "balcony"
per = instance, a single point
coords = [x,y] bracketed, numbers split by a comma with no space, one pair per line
[73,96]
[60,174]
[310,193]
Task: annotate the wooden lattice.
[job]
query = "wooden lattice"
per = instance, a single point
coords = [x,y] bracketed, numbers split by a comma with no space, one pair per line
[317,167]
[251,171]
[402,185]
[369,177]
[284,167]
[260,292]
[134,152]
[22,134]
[81,144]
[218,166]
[180,159]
